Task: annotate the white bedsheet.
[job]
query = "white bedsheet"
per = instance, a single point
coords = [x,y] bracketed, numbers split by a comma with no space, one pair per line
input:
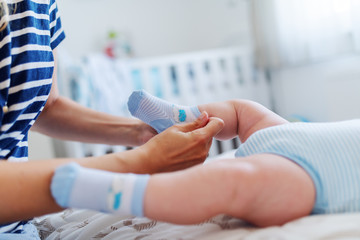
[83,224]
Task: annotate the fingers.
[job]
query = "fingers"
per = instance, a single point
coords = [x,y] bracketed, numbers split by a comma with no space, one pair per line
[209,127]
[214,126]
[200,122]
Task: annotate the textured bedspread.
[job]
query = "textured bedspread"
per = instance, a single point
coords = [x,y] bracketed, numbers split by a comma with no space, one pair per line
[82,224]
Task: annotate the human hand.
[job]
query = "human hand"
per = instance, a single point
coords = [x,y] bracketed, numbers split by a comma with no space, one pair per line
[180,146]
[146,132]
[139,133]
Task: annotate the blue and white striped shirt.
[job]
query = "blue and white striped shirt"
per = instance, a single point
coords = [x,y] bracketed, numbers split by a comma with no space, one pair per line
[26,69]
[329,153]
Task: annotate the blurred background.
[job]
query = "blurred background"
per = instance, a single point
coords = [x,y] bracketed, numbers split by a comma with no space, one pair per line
[306,51]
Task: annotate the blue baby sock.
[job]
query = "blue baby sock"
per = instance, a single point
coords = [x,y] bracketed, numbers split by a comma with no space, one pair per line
[78,187]
[158,113]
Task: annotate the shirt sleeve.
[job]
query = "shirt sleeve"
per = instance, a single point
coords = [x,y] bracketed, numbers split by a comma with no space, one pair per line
[56,31]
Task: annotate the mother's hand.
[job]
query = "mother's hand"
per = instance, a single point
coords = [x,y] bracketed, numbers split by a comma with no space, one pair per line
[180,146]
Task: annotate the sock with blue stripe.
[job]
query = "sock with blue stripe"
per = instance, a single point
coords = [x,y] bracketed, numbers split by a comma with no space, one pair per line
[158,113]
[78,187]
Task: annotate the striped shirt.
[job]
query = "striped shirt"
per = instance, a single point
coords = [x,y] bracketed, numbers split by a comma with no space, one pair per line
[26,69]
[329,153]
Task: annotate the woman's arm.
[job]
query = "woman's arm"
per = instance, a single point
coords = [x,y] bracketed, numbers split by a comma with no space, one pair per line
[65,119]
[241,117]
[25,186]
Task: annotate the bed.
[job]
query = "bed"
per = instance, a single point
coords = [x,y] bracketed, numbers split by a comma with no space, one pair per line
[81,224]
[189,78]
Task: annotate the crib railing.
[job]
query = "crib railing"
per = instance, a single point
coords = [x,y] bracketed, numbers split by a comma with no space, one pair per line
[189,79]
[195,78]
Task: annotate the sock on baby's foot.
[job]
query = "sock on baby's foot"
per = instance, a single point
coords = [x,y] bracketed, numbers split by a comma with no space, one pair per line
[78,187]
[159,113]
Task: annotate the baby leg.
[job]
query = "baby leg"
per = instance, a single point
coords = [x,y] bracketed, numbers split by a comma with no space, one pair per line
[262,189]
[242,117]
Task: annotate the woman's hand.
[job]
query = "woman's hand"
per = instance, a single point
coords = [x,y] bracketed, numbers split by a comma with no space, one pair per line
[180,146]
[145,132]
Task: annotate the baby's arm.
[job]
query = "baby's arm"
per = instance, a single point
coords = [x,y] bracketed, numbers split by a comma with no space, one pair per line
[242,117]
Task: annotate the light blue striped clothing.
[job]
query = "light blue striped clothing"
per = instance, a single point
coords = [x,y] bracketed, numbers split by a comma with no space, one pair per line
[329,152]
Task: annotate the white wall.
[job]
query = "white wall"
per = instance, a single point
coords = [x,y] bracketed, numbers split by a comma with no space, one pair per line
[40,147]
[325,91]
[156,27]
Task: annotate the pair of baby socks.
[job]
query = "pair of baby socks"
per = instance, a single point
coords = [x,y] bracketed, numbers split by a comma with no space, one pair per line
[78,187]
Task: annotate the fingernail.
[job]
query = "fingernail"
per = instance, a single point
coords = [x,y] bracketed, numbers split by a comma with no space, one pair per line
[204,116]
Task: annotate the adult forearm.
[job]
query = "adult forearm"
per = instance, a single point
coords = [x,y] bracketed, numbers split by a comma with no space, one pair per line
[68,120]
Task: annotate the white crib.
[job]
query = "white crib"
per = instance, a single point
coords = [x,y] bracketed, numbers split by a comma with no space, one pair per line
[189,78]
